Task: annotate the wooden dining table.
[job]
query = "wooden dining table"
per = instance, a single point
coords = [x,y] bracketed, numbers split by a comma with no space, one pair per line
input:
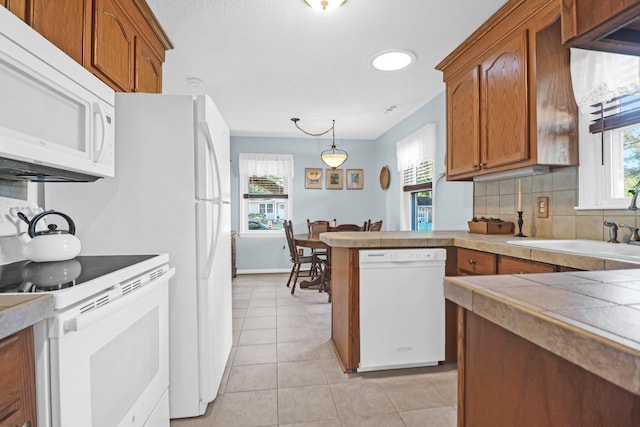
[312,240]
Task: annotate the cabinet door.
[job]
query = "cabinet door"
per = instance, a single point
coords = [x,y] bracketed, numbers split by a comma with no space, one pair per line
[62,23]
[509,265]
[505,104]
[148,69]
[463,123]
[472,262]
[17,7]
[17,383]
[112,45]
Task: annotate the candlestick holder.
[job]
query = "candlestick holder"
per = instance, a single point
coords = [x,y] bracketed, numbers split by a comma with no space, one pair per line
[520,222]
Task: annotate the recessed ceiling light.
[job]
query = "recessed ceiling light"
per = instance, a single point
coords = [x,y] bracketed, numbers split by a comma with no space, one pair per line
[393,60]
[325,5]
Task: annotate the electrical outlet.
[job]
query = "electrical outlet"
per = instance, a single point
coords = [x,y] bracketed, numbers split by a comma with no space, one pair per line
[542,207]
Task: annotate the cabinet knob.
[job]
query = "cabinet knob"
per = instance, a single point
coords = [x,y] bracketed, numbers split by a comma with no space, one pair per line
[472,261]
[474,166]
[483,165]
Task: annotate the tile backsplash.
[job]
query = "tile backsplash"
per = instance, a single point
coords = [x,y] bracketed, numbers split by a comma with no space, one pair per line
[499,199]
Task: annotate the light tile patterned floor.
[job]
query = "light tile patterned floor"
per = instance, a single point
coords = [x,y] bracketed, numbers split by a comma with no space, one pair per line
[282,371]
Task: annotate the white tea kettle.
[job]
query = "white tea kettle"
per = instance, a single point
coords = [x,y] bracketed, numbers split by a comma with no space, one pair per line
[51,244]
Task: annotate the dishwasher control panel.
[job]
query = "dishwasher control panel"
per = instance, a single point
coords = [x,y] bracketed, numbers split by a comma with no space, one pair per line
[402,255]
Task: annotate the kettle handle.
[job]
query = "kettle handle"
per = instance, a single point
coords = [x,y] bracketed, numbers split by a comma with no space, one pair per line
[35,219]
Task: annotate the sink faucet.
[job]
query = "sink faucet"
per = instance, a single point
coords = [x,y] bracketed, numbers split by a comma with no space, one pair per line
[634,238]
[613,230]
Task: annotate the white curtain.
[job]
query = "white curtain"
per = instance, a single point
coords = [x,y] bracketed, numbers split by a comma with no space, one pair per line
[598,77]
[416,148]
[262,164]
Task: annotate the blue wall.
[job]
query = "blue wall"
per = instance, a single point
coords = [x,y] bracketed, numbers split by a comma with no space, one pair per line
[258,253]
[453,200]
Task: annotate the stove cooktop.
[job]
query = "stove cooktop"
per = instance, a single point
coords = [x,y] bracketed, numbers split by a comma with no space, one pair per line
[28,276]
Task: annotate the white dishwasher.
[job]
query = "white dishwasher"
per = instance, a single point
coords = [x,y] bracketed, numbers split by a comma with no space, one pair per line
[402,321]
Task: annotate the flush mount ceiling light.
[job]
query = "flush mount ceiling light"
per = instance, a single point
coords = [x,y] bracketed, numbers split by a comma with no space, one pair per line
[333,157]
[393,60]
[325,5]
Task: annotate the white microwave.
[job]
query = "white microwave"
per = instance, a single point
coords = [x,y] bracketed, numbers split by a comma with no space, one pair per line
[56,118]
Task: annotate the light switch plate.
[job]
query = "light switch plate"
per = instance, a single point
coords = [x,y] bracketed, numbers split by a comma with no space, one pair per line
[542,207]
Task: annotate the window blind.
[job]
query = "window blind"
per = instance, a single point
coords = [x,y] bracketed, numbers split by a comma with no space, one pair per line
[418,177]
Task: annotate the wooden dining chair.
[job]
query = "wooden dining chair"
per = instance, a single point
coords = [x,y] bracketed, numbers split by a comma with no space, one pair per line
[348,227]
[374,226]
[314,268]
[316,227]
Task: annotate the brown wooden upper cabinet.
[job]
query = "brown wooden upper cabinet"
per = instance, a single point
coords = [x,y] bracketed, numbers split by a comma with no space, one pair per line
[120,41]
[17,7]
[62,23]
[509,97]
[611,26]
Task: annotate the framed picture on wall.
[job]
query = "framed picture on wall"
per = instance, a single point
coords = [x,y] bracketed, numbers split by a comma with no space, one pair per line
[355,179]
[334,179]
[313,178]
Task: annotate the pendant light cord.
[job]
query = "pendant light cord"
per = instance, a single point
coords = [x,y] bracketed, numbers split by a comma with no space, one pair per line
[295,121]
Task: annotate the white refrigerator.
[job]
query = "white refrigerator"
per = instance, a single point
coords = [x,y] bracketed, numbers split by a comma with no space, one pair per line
[170,194]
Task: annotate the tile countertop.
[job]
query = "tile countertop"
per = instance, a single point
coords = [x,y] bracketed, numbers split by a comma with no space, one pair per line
[494,243]
[590,318]
[21,311]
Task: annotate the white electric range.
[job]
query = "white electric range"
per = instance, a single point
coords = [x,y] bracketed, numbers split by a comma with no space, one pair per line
[102,358]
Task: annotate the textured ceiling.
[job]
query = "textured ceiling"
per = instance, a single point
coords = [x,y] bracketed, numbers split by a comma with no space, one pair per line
[265,61]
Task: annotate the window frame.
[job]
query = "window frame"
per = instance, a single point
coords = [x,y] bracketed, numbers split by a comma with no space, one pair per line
[245,200]
[599,160]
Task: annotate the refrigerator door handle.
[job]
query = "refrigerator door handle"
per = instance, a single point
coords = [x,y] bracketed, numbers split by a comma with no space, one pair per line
[217,201]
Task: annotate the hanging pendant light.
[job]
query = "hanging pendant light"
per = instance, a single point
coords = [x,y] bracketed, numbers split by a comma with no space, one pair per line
[333,157]
[324,5]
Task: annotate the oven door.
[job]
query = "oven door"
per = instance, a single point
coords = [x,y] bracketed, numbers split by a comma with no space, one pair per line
[110,366]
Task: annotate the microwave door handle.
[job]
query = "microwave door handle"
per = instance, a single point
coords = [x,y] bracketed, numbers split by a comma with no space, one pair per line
[97,154]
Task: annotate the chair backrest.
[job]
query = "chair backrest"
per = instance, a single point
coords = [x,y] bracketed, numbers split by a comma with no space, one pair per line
[374,226]
[291,241]
[347,227]
[319,226]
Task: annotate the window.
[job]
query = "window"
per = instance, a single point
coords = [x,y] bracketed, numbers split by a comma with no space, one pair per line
[415,164]
[265,192]
[417,181]
[606,88]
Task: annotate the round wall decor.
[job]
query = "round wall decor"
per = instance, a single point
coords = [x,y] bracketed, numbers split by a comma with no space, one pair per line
[384,177]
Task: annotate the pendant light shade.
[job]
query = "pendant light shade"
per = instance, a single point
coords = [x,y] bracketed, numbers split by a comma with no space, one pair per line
[333,157]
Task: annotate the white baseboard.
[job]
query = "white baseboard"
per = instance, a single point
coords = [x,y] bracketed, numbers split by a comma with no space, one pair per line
[270,271]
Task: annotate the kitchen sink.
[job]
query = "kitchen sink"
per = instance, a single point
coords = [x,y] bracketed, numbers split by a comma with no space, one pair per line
[593,248]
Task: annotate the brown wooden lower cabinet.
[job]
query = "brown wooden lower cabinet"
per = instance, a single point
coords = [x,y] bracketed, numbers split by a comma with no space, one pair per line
[17,380]
[510,265]
[505,380]
[472,262]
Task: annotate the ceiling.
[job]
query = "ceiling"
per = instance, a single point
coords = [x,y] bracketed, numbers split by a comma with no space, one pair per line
[265,61]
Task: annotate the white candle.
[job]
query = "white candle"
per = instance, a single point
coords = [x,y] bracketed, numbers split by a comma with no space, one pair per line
[519,195]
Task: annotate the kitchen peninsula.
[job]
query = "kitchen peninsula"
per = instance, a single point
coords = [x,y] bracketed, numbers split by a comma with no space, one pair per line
[584,349]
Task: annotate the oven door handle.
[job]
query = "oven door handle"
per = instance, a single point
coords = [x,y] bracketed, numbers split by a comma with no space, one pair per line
[82,321]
